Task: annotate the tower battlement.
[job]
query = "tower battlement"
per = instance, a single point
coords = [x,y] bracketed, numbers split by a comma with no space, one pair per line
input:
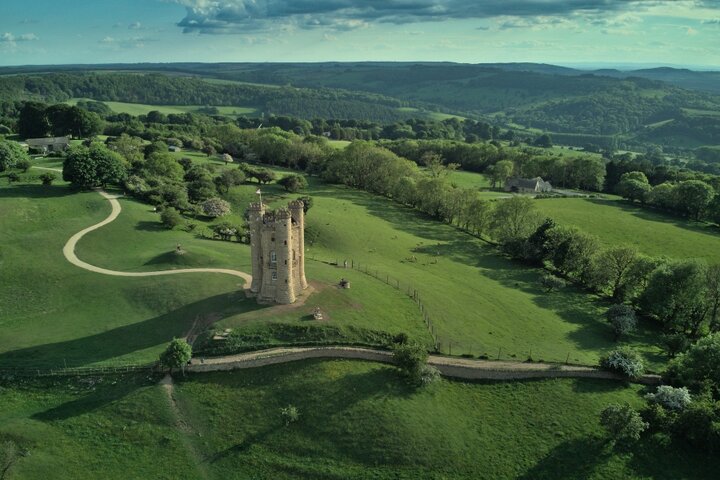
[277,246]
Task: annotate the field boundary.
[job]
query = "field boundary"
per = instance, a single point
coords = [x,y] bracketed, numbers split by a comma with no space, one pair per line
[461,368]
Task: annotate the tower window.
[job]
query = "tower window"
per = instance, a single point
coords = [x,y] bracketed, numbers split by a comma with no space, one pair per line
[273,257]
[273,276]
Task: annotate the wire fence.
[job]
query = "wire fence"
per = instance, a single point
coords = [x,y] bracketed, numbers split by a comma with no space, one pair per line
[443,343]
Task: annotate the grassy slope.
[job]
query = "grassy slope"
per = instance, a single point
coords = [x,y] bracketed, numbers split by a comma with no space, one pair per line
[619,222]
[357,420]
[52,313]
[479,302]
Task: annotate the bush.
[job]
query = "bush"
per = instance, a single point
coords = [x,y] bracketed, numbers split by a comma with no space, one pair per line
[670,397]
[623,320]
[622,423]
[215,207]
[47,178]
[290,414]
[550,282]
[13,177]
[624,360]
[411,359]
[23,165]
[170,218]
[177,354]
[293,183]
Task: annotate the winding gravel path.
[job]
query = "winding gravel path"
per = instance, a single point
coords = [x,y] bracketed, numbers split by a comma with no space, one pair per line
[69,248]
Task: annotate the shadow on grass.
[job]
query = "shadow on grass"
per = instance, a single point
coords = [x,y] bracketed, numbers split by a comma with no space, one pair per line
[127,339]
[147,226]
[102,394]
[36,191]
[575,459]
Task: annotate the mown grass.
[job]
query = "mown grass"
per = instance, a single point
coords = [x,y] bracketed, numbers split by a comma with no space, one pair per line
[618,222]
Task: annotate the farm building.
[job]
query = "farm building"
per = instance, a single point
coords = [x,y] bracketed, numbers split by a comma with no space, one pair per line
[49,144]
[528,185]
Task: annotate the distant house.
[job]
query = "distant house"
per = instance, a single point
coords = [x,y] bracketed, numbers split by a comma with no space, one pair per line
[50,144]
[528,185]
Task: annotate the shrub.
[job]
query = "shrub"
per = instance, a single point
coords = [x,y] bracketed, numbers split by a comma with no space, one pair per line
[411,359]
[13,177]
[623,319]
[671,397]
[170,218]
[622,423]
[624,360]
[550,282]
[293,183]
[177,354]
[48,178]
[23,165]
[290,414]
[215,207]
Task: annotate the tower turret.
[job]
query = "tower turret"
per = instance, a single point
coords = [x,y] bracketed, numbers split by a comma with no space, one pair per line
[256,213]
[297,210]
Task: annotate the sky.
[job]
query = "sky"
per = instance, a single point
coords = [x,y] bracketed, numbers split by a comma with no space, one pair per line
[563,32]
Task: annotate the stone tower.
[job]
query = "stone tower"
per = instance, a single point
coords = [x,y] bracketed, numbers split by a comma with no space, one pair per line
[277,247]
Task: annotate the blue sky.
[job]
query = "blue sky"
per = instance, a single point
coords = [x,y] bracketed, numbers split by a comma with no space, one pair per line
[677,32]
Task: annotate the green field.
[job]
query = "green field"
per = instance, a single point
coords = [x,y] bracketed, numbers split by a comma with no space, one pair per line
[143,109]
[357,420]
[618,222]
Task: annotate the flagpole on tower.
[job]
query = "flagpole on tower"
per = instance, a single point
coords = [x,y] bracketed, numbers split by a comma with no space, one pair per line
[259,192]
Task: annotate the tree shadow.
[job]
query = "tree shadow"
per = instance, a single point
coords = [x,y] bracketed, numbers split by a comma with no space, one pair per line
[575,459]
[148,226]
[127,339]
[36,191]
[102,394]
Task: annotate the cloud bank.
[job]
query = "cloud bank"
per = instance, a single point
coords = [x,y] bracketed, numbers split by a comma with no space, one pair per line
[239,16]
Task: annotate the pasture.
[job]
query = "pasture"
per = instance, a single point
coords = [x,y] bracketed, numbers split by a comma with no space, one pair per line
[357,420]
[143,109]
[618,222]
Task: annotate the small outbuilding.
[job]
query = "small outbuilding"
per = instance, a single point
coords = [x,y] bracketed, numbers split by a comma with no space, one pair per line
[49,144]
[528,185]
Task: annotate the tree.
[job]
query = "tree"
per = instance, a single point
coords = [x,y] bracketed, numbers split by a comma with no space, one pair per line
[293,183]
[699,365]
[676,296]
[131,148]
[88,167]
[514,219]
[215,207]
[229,178]
[177,354]
[163,165]
[670,397]
[572,251]
[624,360]
[632,188]
[170,218]
[23,165]
[11,153]
[622,423]
[227,158]
[612,270]
[623,319]
[543,141]
[693,197]
[713,296]
[33,121]
[500,172]
[662,196]
[13,177]
[411,358]
[47,178]
[307,203]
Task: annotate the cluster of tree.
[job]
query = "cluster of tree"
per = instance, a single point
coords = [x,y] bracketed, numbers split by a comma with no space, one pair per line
[39,120]
[693,198]
[12,155]
[687,409]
